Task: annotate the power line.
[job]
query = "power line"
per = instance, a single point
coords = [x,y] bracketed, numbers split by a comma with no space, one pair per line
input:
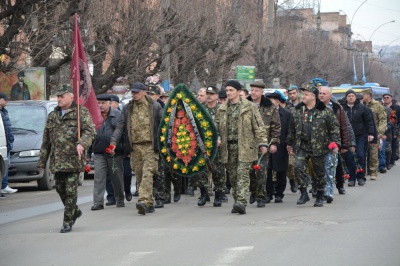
[379,6]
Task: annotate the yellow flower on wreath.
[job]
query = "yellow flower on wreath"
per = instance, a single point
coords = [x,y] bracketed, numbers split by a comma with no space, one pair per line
[179,95]
[169,110]
[162,138]
[173,101]
[187,100]
[193,107]
[175,166]
[195,168]
[164,150]
[166,120]
[199,115]
[184,170]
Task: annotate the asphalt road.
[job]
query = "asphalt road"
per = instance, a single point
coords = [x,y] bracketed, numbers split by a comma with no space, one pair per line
[359,228]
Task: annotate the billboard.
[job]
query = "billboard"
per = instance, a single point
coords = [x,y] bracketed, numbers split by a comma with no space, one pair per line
[245,73]
[29,84]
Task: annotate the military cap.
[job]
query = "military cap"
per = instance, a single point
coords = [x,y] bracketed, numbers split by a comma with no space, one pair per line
[138,87]
[212,89]
[367,91]
[234,83]
[388,94]
[153,90]
[103,97]
[165,94]
[65,88]
[222,94]
[312,89]
[273,95]
[114,98]
[258,84]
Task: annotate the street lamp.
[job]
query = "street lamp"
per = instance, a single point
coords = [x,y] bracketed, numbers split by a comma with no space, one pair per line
[384,51]
[392,21]
[351,23]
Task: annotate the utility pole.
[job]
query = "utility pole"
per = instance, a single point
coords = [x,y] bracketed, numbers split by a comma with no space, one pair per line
[271,14]
[166,63]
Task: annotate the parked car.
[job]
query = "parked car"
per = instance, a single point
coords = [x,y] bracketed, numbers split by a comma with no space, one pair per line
[28,120]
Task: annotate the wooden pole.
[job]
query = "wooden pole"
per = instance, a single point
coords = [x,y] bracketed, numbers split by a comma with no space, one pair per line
[78,109]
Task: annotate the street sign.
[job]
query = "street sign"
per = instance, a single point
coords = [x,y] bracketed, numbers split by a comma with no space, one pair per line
[245,73]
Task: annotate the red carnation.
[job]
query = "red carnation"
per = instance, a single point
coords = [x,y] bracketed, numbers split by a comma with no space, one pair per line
[108,150]
[193,143]
[346,176]
[174,147]
[87,168]
[189,128]
[192,135]
[191,152]
[111,147]
[181,113]
[256,167]
[175,130]
[185,121]
[177,122]
[332,145]
[174,138]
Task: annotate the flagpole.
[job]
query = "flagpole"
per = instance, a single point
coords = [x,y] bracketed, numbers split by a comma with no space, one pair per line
[78,112]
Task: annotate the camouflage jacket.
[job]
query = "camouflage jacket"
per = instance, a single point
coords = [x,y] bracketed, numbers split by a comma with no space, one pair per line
[380,116]
[270,115]
[60,139]
[325,128]
[124,124]
[251,131]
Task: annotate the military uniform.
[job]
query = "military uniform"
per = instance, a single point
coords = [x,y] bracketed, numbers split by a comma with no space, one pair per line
[60,140]
[270,116]
[241,131]
[381,122]
[310,133]
[139,121]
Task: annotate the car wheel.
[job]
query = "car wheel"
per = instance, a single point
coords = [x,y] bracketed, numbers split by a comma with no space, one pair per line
[81,178]
[47,181]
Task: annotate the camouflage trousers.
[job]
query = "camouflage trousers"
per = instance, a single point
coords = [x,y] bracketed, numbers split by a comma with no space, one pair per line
[175,180]
[290,171]
[219,174]
[159,182]
[200,180]
[145,164]
[301,165]
[373,159]
[258,179]
[67,187]
[331,162]
[238,174]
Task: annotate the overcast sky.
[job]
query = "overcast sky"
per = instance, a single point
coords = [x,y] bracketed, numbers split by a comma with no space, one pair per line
[371,15]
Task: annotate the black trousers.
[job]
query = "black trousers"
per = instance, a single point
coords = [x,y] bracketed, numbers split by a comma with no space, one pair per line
[280,184]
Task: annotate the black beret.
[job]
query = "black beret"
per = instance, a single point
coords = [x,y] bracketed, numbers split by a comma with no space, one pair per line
[234,83]
[350,91]
[103,97]
[138,87]
[222,94]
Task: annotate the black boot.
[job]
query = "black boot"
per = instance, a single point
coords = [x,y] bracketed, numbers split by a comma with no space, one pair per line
[319,201]
[293,186]
[304,196]
[217,199]
[203,197]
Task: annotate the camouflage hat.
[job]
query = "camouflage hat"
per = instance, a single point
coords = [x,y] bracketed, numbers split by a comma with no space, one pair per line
[153,90]
[65,88]
[312,89]
[367,91]
[212,89]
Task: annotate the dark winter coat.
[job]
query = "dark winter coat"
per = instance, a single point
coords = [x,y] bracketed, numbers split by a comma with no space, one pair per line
[104,133]
[7,129]
[280,159]
[360,118]
[325,129]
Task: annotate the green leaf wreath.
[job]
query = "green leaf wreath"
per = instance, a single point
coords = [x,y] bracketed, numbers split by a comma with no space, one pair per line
[188,135]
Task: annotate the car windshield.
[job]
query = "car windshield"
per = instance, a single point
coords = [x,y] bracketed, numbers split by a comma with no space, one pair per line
[27,117]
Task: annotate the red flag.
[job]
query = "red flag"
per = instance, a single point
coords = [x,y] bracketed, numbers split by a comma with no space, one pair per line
[81,80]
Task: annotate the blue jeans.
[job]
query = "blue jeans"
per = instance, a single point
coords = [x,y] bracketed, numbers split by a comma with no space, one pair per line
[331,162]
[4,184]
[361,149]
[382,156]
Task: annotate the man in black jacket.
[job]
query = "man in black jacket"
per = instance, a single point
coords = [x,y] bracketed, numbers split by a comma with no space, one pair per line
[361,120]
[105,163]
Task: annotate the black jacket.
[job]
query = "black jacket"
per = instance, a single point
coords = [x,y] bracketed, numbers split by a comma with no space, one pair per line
[360,118]
[104,133]
[280,159]
[7,128]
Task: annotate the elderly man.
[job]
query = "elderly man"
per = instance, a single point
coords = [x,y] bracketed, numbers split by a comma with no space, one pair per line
[331,160]
[139,122]
[241,132]
[313,132]
[104,163]
[270,116]
[66,151]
